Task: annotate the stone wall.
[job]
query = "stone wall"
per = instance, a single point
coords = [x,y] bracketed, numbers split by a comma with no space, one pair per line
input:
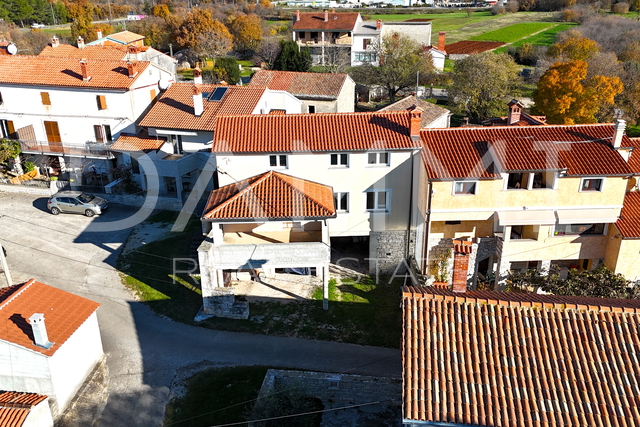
[388,250]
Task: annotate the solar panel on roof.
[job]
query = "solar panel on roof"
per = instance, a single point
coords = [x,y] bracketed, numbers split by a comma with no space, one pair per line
[218,93]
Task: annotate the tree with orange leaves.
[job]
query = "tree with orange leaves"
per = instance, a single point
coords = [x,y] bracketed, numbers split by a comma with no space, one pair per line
[246,31]
[574,48]
[566,96]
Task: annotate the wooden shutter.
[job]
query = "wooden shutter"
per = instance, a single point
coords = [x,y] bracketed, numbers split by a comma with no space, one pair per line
[153,95]
[99,132]
[53,132]
[45,98]
[11,129]
[102,102]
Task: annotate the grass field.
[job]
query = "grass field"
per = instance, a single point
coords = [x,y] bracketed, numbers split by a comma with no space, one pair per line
[513,33]
[545,38]
[442,21]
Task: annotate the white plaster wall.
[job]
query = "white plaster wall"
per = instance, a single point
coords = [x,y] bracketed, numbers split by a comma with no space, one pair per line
[346,99]
[438,59]
[417,31]
[39,416]
[321,106]
[278,100]
[354,179]
[24,370]
[74,360]
[358,47]
[441,122]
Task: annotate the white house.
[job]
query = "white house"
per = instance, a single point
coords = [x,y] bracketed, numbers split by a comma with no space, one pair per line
[69,110]
[120,38]
[368,159]
[24,410]
[319,92]
[50,341]
[184,117]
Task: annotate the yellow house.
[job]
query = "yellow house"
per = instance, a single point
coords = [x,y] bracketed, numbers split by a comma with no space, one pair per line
[528,197]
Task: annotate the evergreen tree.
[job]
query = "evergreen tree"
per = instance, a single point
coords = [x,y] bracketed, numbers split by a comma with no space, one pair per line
[292,58]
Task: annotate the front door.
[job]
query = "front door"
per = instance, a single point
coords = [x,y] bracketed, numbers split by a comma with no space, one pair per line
[53,134]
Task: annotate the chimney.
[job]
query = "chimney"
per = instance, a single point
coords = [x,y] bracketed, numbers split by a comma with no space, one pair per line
[132,51]
[515,110]
[442,37]
[297,15]
[197,76]
[618,132]
[415,115]
[40,337]
[461,250]
[55,41]
[198,106]
[85,72]
[379,24]
[131,69]
[326,15]
[80,43]
[99,34]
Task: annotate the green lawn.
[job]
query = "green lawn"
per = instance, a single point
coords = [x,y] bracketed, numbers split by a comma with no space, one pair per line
[512,33]
[216,396]
[545,38]
[442,21]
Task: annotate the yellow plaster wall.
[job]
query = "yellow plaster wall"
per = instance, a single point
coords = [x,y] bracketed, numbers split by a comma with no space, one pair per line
[441,230]
[623,255]
[491,196]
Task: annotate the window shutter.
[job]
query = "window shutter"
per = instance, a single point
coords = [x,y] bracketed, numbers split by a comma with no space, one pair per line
[45,98]
[11,129]
[99,132]
[102,102]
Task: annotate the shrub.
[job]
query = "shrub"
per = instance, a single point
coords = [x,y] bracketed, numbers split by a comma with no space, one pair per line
[620,8]
[29,166]
[513,6]
[498,10]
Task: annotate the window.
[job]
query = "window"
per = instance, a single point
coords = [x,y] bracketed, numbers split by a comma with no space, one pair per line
[341,201]
[313,35]
[102,102]
[591,184]
[366,43]
[102,133]
[1,100]
[312,109]
[464,187]
[518,180]
[278,160]
[46,100]
[339,159]
[378,159]
[543,180]
[377,200]
[365,57]
[7,130]
[578,229]
[53,131]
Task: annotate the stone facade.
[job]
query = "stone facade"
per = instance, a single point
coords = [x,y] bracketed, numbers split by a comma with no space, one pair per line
[388,250]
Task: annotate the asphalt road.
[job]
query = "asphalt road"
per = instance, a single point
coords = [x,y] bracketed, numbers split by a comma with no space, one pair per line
[143,350]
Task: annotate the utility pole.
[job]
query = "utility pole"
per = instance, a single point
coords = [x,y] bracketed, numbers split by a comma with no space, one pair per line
[5,266]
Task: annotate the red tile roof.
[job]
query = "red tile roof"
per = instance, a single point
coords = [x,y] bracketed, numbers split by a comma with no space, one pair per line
[581,149]
[634,159]
[108,53]
[64,314]
[271,195]
[525,120]
[15,407]
[467,47]
[140,142]
[19,398]
[66,72]
[492,359]
[302,85]
[314,21]
[313,132]
[174,108]
[126,37]
[629,222]
[13,417]
[430,112]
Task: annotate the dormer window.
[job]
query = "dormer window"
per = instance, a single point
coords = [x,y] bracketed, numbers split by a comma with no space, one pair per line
[591,184]
[530,180]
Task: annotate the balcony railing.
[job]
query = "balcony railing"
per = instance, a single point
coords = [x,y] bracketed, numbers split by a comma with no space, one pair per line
[87,149]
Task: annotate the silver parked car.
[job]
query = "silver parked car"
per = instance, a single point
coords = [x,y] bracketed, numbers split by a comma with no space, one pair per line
[77,202]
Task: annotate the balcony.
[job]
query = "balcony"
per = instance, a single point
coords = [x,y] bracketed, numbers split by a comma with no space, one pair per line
[87,149]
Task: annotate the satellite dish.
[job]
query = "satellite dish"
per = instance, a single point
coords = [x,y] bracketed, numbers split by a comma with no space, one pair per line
[164,83]
[12,49]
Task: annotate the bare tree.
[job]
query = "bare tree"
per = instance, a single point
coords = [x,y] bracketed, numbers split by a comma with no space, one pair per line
[336,59]
[212,44]
[268,51]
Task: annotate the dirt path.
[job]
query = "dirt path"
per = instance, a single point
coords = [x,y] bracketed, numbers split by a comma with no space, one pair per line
[525,37]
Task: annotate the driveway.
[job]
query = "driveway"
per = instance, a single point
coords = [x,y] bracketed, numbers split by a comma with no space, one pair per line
[143,350]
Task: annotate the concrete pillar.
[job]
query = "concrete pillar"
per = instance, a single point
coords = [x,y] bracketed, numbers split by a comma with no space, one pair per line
[545,265]
[325,287]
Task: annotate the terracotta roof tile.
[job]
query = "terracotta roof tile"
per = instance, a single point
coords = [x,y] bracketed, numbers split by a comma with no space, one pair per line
[125,37]
[66,72]
[467,47]
[634,160]
[140,142]
[629,222]
[302,85]
[525,120]
[174,108]
[430,112]
[581,149]
[20,398]
[313,132]
[271,195]
[314,21]
[504,359]
[108,53]
[64,313]
[13,417]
